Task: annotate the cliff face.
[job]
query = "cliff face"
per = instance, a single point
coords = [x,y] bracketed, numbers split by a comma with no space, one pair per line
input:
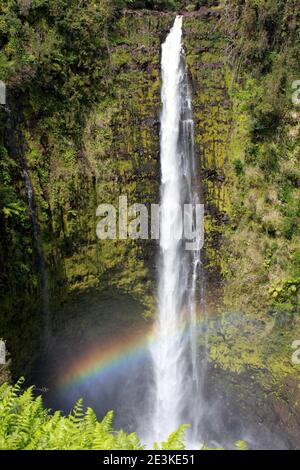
[83,119]
[87,131]
[107,148]
[260,250]
[205,45]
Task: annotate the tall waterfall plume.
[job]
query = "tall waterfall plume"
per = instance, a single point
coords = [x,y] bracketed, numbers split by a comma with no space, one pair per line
[174,356]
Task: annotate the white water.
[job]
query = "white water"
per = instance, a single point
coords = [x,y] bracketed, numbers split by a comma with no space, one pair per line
[176,368]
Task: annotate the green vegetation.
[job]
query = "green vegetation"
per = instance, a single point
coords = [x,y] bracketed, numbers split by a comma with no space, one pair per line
[26,425]
[53,56]
[261,274]
[74,90]
[259,319]
[83,88]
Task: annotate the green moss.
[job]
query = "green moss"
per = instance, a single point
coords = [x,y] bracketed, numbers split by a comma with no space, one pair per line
[259,250]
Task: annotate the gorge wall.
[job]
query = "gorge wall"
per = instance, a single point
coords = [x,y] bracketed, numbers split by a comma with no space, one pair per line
[82,116]
[112,150]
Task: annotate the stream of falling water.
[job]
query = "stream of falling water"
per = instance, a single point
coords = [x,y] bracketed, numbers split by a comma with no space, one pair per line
[175,362]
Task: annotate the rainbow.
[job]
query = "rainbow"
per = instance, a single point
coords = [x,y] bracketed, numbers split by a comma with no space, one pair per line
[104,359]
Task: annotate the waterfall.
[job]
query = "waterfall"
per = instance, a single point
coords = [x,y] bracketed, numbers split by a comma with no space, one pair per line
[174,356]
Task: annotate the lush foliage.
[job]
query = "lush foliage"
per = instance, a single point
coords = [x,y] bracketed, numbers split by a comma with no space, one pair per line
[66,67]
[264,41]
[26,424]
[260,256]
[83,103]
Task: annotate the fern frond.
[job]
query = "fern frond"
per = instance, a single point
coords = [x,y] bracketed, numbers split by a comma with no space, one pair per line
[107,421]
[176,440]
[77,414]
[241,445]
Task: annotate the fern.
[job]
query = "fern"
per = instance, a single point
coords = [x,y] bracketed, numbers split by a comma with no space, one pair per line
[26,424]
[77,414]
[89,425]
[176,440]
[241,445]
[107,421]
